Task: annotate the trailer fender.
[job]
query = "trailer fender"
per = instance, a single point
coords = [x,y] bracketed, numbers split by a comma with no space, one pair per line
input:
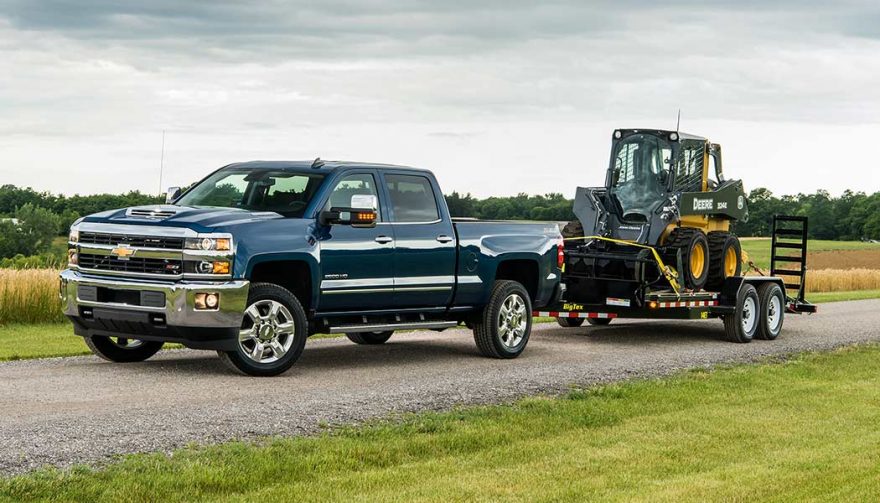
[733,284]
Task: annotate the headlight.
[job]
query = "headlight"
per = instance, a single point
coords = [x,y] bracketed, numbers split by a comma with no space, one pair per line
[73,237]
[208,244]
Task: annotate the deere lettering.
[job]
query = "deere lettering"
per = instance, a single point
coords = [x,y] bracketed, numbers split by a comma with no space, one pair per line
[703,204]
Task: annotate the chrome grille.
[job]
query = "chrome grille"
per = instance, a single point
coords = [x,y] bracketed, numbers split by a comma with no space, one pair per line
[98,238]
[132,265]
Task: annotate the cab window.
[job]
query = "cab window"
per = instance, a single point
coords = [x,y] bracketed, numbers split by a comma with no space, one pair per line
[412,198]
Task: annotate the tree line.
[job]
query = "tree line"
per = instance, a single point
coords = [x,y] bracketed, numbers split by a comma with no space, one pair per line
[30,220]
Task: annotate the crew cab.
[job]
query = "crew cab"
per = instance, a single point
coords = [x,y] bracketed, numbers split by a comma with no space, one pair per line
[259,255]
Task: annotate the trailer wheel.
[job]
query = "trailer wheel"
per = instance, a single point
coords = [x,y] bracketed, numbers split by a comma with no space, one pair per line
[742,325]
[503,328]
[570,322]
[599,321]
[369,337]
[772,304]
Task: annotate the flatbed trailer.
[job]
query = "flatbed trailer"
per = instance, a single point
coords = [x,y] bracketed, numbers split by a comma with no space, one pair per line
[750,306]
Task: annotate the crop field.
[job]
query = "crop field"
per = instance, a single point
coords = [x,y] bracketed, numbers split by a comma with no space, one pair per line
[29,296]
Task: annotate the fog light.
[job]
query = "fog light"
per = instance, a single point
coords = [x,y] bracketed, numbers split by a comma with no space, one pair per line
[212,300]
[206,267]
[221,267]
[72,257]
[206,301]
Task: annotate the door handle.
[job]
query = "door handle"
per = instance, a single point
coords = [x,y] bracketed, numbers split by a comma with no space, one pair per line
[383,239]
[443,238]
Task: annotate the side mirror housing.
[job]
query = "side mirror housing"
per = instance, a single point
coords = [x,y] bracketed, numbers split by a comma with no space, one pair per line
[172,194]
[361,213]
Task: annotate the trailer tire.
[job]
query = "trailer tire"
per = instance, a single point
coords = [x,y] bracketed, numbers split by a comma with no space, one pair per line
[369,337]
[598,321]
[772,305]
[503,328]
[694,255]
[725,259]
[570,322]
[742,325]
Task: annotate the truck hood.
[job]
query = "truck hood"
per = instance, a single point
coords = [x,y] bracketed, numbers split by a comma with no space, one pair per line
[199,218]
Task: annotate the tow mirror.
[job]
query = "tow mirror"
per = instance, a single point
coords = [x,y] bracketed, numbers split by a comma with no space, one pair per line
[172,194]
[362,213]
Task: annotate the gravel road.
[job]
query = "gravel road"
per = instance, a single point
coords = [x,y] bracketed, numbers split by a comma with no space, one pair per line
[64,411]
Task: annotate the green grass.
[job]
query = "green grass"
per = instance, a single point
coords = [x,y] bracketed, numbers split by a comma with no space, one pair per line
[19,342]
[821,297]
[759,249]
[805,429]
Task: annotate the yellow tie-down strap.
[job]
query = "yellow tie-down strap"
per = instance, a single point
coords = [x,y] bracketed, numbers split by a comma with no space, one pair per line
[670,273]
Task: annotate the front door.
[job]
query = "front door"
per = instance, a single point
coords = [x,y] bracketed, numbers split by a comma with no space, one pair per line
[424,251]
[356,263]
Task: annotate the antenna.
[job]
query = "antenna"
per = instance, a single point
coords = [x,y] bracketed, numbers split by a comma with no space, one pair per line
[317,163]
[162,161]
[678,121]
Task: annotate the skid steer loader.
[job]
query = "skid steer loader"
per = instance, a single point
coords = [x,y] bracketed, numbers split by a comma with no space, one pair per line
[662,220]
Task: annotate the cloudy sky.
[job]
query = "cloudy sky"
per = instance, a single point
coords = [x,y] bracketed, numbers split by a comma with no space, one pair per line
[497,97]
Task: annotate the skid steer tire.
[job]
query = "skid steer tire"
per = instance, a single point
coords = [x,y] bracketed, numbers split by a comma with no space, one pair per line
[694,255]
[725,259]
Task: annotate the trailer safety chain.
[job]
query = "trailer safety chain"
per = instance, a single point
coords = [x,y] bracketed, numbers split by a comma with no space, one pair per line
[670,273]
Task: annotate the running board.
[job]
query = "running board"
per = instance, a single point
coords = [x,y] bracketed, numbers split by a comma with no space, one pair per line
[416,325]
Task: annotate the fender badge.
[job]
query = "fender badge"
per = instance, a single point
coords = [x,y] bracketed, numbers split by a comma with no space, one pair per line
[122,252]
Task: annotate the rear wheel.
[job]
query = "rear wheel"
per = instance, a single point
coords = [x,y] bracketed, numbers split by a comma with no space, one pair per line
[570,322]
[694,248]
[272,335]
[742,325]
[772,309]
[122,349]
[725,259]
[504,326]
[370,337]
[599,321]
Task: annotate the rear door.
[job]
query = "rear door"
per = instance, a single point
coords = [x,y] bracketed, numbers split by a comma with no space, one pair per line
[356,263]
[424,251]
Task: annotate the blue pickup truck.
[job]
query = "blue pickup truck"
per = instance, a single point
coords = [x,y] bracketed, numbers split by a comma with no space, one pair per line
[258,256]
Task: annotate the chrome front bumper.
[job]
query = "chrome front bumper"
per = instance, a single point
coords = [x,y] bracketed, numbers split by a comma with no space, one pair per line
[177,320]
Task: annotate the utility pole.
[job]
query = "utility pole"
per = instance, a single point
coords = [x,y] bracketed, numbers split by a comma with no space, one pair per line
[162,162]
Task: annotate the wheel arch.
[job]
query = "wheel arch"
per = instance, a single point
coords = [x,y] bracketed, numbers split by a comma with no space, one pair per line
[298,274]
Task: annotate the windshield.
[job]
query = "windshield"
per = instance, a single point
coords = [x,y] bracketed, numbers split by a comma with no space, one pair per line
[284,192]
[640,165]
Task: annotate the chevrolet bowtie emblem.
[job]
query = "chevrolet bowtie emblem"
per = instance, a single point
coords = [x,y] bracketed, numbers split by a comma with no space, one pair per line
[122,252]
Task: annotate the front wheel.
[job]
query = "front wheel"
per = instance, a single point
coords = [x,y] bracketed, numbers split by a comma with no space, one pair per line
[505,324]
[122,349]
[272,335]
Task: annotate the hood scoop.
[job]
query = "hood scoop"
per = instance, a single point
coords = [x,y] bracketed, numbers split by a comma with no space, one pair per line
[155,213]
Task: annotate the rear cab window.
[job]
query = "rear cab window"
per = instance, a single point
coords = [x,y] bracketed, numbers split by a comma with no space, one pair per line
[412,198]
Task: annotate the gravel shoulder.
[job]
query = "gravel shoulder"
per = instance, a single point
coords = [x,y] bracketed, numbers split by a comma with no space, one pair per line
[65,411]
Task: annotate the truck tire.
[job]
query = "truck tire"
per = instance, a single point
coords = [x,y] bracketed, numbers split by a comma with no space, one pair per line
[725,259]
[504,326]
[598,321]
[570,322]
[742,325]
[122,349]
[694,256]
[273,332]
[369,337]
[772,308]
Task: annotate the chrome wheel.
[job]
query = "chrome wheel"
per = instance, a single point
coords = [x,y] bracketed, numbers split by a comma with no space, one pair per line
[749,315]
[774,314]
[512,320]
[267,332]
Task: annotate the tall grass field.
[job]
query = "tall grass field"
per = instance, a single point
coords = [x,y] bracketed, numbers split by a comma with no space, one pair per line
[29,296]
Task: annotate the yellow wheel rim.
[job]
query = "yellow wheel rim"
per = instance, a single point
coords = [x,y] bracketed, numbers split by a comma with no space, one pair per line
[698,261]
[729,262]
